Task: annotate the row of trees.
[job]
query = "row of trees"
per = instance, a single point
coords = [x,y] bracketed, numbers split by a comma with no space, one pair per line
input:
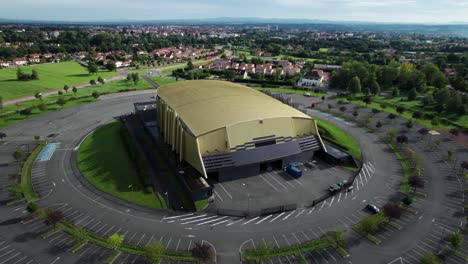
[22,76]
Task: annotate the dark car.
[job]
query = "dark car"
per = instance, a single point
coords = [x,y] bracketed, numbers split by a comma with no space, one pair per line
[372,208]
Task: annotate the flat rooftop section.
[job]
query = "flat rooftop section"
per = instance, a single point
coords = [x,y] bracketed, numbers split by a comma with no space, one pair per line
[208,105]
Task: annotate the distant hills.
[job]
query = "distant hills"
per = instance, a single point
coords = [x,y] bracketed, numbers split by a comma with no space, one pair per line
[459,29]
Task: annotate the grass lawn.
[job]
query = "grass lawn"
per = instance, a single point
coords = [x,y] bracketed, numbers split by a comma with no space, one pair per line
[51,77]
[85,93]
[162,80]
[289,90]
[183,65]
[334,134]
[103,160]
[26,181]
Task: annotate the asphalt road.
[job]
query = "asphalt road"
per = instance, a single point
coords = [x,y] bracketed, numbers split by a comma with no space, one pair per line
[60,188]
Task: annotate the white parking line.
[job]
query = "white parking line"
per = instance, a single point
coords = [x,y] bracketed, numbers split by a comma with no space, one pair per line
[313,208]
[300,213]
[218,223]
[278,216]
[193,217]
[14,256]
[286,217]
[225,190]
[339,197]
[231,223]
[198,220]
[251,220]
[210,221]
[331,202]
[218,195]
[177,216]
[261,176]
[265,218]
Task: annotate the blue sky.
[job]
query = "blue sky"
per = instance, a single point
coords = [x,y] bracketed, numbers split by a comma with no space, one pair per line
[428,11]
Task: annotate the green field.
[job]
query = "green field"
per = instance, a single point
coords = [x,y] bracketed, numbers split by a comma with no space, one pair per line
[51,77]
[335,135]
[162,80]
[82,96]
[104,161]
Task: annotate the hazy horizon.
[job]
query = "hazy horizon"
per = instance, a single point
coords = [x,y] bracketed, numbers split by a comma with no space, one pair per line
[389,11]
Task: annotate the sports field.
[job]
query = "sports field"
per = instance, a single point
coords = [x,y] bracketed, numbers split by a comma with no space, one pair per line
[52,76]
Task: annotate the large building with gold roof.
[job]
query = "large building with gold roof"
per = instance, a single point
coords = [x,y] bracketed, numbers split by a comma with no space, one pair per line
[226,130]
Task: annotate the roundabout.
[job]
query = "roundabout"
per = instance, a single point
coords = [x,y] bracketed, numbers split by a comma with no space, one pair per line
[60,186]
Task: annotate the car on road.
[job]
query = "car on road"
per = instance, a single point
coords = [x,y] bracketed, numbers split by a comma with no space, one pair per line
[337,186]
[372,208]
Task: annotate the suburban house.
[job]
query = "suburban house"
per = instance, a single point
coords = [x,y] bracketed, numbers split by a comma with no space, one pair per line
[5,64]
[34,58]
[20,61]
[314,78]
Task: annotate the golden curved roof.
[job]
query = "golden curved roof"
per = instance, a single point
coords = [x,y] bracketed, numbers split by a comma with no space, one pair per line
[208,105]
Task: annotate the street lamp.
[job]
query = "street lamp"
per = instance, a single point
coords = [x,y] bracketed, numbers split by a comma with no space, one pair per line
[131,187]
[248,198]
[167,198]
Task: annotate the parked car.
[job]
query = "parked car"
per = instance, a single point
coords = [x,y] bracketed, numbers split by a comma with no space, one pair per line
[294,171]
[307,94]
[372,208]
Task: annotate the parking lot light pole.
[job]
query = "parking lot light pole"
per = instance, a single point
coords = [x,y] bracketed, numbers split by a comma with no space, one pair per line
[167,198]
[248,198]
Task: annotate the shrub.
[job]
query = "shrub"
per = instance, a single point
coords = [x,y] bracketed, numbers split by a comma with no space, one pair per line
[407,200]
[32,207]
[54,217]
[201,252]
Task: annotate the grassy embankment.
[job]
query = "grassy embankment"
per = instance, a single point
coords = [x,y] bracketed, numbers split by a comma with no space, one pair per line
[104,161]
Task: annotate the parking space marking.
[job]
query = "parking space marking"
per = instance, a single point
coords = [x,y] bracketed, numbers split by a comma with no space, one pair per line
[232,223]
[286,217]
[225,190]
[177,216]
[300,213]
[261,176]
[198,220]
[211,221]
[12,257]
[218,195]
[278,216]
[168,243]
[313,208]
[251,220]
[193,217]
[339,197]
[331,202]
[263,219]
[218,223]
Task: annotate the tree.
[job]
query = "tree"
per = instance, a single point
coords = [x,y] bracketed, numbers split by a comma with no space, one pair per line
[416,182]
[201,251]
[464,166]
[392,211]
[59,92]
[101,80]
[456,240]
[110,66]
[19,154]
[2,136]
[354,85]
[379,124]
[417,115]
[367,100]
[329,107]
[400,109]
[374,87]
[95,94]
[343,108]
[407,200]
[454,131]
[155,250]
[37,137]
[449,155]
[189,65]
[338,236]
[402,139]
[26,112]
[38,96]
[395,92]
[129,77]
[135,78]
[369,225]
[430,259]
[66,87]
[92,68]
[1,102]
[355,114]
[92,82]
[75,90]
[34,75]
[375,111]
[391,116]
[15,189]
[409,124]
[391,134]
[115,240]
[53,217]
[20,75]
[412,94]
[423,131]
[61,101]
